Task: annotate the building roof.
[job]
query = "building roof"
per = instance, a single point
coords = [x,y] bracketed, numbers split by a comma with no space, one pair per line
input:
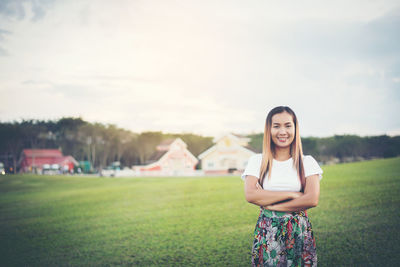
[157,155]
[240,141]
[45,156]
[162,149]
[42,153]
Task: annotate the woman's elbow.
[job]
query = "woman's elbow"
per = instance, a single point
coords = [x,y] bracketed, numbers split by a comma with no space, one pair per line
[249,196]
[314,202]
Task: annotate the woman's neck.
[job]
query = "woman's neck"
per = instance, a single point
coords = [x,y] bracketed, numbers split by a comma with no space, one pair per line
[282,154]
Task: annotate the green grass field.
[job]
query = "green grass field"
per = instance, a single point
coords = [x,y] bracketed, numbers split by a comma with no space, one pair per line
[79,221]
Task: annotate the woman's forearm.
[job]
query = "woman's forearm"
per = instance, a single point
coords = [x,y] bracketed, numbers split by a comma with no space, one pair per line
[263,197]
[304,202]
[308,200]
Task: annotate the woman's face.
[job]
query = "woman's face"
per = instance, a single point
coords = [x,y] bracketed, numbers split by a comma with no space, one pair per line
[282,129]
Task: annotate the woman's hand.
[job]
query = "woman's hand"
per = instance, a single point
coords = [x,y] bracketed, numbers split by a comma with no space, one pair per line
[258,186]
[269,207]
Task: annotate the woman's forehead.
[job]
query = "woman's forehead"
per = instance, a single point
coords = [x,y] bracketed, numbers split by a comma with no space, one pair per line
[283,117]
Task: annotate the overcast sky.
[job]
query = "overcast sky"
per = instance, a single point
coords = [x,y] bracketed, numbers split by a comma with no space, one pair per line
[206,67]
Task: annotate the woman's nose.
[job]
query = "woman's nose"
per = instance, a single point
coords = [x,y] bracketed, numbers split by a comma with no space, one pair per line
[282,131]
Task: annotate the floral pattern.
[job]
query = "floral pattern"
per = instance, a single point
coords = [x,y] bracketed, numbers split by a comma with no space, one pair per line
[283,239]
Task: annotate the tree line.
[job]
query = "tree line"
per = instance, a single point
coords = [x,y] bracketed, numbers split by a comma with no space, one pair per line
[102,144]
[344,148]
[97,143]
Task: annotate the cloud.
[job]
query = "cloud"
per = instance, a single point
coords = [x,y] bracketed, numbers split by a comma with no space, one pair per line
[18,9]
[381,36]
[10,8]
[3,52]
[3,33]
[374,39]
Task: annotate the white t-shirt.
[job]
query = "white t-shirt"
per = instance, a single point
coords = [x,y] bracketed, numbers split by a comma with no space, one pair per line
[283,175]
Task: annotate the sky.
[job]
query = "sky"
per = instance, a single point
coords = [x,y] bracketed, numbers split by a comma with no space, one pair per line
[203,67]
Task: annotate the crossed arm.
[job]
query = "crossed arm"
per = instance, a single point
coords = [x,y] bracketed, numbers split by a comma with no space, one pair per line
[294,201]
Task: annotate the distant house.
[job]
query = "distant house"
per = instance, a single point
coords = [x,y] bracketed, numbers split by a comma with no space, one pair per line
[41,160]
[170,158]
[230,153]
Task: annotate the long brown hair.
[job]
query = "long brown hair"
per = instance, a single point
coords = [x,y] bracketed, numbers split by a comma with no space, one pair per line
[296,150]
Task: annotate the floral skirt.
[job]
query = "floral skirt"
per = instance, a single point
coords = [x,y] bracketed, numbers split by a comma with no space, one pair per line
[283,239]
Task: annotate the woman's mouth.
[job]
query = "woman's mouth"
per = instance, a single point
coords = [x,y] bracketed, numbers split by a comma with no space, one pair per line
[282,139]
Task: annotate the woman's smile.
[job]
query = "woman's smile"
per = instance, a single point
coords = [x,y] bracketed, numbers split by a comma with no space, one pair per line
[282,139]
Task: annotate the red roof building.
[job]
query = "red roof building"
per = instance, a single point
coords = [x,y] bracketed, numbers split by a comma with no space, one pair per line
[40,159]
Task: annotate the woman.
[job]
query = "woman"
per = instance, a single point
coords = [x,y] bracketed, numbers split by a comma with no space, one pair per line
[284,183]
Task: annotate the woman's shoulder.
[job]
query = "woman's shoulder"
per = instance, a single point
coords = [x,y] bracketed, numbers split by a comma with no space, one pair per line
[253,166]
[311,166]
[308,158]
[310,162]
[255,159]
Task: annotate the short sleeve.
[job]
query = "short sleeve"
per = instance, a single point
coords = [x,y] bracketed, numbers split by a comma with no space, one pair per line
[311,167]
[253,166]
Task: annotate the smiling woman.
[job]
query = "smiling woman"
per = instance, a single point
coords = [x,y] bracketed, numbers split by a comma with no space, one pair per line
[284,183]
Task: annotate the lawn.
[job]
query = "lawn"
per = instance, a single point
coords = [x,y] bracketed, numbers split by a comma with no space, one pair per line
[80,221]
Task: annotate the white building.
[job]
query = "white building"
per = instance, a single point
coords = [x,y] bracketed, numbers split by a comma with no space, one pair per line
[230,153]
